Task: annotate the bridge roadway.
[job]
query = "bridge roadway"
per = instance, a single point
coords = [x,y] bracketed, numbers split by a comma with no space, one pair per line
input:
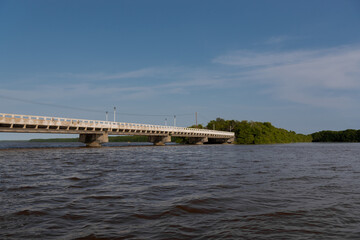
[94,132]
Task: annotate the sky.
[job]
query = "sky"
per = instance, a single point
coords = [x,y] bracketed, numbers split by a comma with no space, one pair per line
[295,64]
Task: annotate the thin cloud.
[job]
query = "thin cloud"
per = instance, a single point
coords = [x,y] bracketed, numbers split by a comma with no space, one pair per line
[320,78]
[139,73]
[246,58]
[277,40]
[306,77]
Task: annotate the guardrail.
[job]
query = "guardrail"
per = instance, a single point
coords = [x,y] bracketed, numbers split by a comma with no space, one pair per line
[108,124]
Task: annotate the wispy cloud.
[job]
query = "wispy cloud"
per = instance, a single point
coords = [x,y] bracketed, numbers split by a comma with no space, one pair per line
[178,81]
[245,58]
[277,39]
[322,78]
[121,75]
[314,77]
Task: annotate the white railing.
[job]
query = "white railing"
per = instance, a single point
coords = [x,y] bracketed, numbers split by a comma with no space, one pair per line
[109,124]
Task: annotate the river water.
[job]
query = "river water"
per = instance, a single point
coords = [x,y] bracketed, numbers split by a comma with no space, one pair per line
[290,191]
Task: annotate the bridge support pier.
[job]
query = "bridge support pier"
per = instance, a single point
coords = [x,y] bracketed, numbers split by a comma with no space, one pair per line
[159,140]
[94,139]
[198,140]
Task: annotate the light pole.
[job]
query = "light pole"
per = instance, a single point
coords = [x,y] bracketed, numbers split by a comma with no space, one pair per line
[114,114]
[174,120]
[165,121]
[196,120]
[107,116]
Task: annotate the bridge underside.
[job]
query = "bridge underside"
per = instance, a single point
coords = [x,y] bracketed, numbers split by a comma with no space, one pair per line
[96,140]
[221,140]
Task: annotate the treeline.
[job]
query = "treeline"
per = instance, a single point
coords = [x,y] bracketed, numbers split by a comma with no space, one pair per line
[349,135]
[249,132]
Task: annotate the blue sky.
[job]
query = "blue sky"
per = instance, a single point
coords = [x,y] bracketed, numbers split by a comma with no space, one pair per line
[293,63]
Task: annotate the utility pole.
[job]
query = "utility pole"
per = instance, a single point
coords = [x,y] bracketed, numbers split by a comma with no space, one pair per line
[174,120]
[114,113]
[196,120]
[107,116]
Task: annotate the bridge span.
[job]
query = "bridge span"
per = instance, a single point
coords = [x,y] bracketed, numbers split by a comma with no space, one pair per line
[95,132]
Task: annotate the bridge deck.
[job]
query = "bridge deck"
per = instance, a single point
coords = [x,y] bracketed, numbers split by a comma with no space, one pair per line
[42,124]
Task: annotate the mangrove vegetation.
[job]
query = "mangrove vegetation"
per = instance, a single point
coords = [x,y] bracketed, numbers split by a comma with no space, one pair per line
[249,132]
[349,135]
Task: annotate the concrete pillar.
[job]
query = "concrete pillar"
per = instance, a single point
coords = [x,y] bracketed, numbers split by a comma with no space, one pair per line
[198,140]
[159,140]
[94,139]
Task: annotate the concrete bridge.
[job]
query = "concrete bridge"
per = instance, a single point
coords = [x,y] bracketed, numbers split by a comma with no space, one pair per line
[94,132]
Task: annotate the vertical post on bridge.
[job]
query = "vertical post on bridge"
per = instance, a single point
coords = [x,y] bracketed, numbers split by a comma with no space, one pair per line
[196,124]
[114,114]
[174,120]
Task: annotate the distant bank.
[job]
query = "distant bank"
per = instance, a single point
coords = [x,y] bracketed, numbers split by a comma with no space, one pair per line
[349,135]
[111,139]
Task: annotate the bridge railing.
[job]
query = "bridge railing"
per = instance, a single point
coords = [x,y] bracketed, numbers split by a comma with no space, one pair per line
[108,124]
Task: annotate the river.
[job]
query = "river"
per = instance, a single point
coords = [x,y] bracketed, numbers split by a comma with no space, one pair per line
[285,191]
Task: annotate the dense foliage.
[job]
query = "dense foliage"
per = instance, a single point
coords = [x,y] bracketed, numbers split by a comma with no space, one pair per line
[257,132]
[349,135]
[200,126]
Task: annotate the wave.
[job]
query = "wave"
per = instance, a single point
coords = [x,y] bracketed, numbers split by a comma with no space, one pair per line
[22,188]
[30,213]
[69,216]
[95,237]
[104,197]
[74,179]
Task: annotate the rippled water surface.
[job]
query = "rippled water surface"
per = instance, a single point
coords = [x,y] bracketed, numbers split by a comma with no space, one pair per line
[293,191]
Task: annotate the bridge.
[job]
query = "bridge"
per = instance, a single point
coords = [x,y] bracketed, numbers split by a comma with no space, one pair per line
[95,132]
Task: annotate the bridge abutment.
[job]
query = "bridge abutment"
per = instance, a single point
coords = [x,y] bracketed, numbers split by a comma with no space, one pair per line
[159,140]
[198,140]
[94,139]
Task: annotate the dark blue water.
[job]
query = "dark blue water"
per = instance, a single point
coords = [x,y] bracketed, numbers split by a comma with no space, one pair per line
[292,191]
